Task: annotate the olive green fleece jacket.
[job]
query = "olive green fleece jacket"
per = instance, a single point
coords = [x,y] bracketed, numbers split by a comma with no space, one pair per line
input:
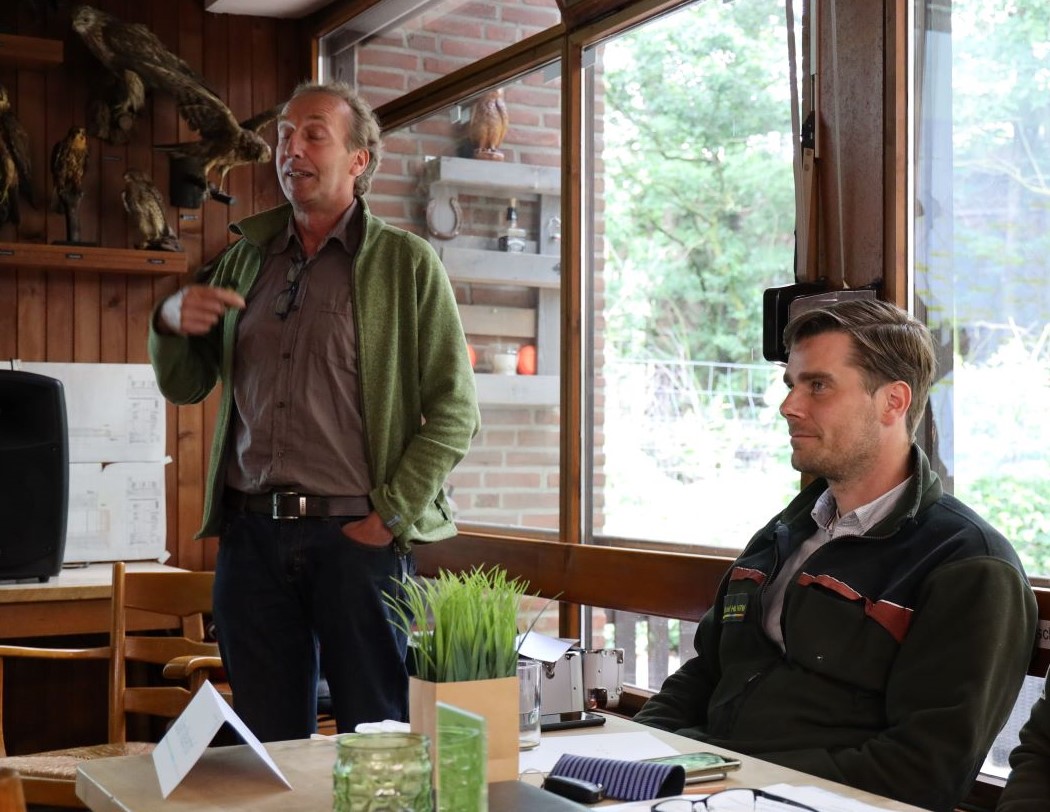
[905,649]
[418,400]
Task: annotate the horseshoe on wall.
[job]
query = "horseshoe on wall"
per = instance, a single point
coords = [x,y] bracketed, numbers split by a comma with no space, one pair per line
[432,215]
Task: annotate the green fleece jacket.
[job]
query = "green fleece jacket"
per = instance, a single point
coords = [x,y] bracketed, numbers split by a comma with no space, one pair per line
[905,650]
[418,400]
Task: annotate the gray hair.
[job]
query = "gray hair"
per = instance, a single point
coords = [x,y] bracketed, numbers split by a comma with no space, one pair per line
[362,126]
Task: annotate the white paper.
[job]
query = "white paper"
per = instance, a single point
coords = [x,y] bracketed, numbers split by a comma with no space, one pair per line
[116,512]
[190,735]
[623,746]
[114,412]
[543,648]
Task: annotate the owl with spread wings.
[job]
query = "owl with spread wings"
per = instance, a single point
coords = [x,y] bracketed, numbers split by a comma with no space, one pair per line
[144,203]
[131,47]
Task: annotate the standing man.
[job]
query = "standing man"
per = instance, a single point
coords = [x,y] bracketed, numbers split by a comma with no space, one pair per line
[347,398]
[877,631]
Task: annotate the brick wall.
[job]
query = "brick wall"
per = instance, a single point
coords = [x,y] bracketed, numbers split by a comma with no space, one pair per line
[511,475]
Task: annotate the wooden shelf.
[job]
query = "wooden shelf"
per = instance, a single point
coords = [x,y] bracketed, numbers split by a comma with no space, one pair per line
[88,259]
[517,390]
[30,52]
[472,173]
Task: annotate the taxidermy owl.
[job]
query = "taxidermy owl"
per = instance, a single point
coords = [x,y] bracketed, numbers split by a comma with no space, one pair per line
[68,162]
[132,48]
[144,203]
[16,168]
[488,125]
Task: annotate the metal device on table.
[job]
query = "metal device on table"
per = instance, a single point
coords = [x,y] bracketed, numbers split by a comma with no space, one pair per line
[582,679]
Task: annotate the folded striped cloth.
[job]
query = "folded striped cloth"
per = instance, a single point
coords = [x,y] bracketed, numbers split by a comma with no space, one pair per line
[624,780]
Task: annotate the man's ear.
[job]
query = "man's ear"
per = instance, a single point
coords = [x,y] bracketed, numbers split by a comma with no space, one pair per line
[896,401]
[360,163]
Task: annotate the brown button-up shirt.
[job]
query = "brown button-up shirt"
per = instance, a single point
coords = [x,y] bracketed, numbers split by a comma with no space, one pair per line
[297,420]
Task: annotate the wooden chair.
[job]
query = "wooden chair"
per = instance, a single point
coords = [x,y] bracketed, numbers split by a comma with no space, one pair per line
[11,796]
[170,600]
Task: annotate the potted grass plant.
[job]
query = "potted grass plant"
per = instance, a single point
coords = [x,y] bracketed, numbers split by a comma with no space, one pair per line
[464,633]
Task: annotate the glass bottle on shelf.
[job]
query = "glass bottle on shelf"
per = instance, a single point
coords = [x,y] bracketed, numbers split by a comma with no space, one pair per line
[512,239]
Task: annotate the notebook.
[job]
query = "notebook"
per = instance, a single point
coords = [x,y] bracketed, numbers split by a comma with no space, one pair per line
[517,796]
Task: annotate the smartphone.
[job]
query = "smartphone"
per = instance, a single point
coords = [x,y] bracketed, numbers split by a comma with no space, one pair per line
[570,719]
[700,767]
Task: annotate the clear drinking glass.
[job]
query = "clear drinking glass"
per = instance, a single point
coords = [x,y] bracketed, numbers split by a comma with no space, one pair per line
[382,772]
[528,704]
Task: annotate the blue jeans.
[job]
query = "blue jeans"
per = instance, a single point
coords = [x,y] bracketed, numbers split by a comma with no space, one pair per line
[286,591]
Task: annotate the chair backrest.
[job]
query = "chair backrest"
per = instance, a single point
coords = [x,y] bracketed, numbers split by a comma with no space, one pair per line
[183,598]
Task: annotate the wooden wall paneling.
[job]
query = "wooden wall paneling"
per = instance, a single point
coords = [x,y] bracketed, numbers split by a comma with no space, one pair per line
[86,288]
[139,154]
[57,288]
[214,215]
[31,87]
[113,229]
[264,96]
[239,182]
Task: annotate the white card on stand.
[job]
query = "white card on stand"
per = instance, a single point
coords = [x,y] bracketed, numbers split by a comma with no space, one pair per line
[190,735]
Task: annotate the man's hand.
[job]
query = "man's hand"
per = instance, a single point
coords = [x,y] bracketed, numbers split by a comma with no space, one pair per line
[195,309]
[369,531]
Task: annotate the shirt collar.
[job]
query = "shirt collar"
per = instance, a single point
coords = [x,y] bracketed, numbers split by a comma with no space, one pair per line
[340,233]
[859,521]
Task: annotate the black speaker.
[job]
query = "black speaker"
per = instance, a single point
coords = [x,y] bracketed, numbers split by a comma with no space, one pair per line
[34,475]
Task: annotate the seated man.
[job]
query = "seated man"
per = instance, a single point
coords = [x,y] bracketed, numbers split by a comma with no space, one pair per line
[1028,788]
[877,631]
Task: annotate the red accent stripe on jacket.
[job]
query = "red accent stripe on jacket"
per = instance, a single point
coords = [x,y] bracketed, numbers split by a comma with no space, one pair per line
[891,616]
[747,574]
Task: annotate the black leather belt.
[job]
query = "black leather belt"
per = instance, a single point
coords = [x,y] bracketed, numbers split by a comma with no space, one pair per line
[292,505]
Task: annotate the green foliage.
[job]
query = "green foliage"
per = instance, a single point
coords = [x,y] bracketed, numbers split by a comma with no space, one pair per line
[1019,508]
[699,208]
[464,627]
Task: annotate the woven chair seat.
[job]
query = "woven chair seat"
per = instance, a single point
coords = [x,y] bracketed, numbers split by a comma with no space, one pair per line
[61,765]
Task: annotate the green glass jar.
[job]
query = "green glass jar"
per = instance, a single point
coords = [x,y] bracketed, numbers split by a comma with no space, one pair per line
[382,772]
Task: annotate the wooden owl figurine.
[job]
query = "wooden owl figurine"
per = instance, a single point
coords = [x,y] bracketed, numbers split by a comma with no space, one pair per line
[488,125]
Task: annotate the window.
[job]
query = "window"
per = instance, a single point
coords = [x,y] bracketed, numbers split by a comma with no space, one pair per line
[693,217]
[439,180]
[981,242]
[400,45]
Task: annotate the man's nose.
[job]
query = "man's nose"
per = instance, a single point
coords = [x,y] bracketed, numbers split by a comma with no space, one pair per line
[788,404]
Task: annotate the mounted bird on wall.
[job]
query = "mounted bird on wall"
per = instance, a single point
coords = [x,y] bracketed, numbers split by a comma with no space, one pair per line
[16,167]
[142,200]
[68,162]
[488,125]
[131,47]
[112,111]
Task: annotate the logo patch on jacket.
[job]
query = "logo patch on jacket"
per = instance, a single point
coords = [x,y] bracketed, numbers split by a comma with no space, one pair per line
[734,607]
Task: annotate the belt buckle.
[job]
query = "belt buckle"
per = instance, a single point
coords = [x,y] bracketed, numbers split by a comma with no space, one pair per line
[275,499]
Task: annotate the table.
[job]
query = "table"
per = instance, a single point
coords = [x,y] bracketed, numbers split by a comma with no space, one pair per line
[228,779]
[76,601]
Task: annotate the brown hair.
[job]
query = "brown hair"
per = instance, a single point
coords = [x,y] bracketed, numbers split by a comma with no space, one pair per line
[362,127]
[888,345]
